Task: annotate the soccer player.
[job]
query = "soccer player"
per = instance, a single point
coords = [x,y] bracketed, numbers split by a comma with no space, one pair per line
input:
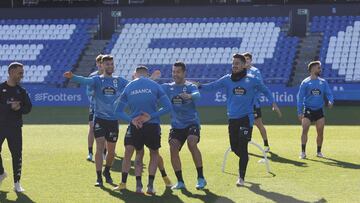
[257,108]
[241,90]
[106,128]
[310,103]
[185,123]
[90,92]
[130,148]
[14,102]
[142,96]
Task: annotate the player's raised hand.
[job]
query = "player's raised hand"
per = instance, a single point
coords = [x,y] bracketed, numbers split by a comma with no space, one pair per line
[155,75]
[330,105]
[68,74]
[276,109]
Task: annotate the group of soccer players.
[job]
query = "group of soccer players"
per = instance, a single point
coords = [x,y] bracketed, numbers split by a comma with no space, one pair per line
[110,95]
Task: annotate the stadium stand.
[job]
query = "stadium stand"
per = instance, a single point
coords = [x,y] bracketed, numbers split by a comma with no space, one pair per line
[47,47]
[205,44]
[340,47]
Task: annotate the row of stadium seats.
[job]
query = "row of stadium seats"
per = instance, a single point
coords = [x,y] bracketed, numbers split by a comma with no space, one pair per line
[47,47]
[340,47]
[203,42]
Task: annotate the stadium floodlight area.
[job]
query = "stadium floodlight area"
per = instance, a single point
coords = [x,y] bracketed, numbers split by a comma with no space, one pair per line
[47,47]
[206,45]
[340,47]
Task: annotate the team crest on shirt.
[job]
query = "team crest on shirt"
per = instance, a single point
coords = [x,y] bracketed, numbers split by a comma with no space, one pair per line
[184,89]
[239,91]
[109,91]
[315,92]
[177,100]
[4,90]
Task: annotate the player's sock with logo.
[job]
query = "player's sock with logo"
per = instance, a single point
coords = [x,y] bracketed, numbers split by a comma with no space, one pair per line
[318,149]
[266,143]
[151,181]
[163,173]
[90,150]
[124,177]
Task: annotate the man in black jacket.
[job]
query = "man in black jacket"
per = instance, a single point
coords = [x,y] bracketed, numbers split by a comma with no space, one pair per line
[14,102]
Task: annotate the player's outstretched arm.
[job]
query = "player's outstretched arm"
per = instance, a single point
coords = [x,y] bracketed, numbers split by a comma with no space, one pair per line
[220,83]
[79,79]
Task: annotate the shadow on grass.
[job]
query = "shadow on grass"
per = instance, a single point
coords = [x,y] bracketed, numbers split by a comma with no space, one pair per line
[276,158]
[21,197]
[276,197]
[207,197]
[130,196]
[334,162]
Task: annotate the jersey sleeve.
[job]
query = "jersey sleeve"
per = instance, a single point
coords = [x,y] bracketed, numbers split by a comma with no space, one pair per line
[164,103]
[264,89]
[300,98]
[220,83]
[83,80]
[120,105]
[328,93]
[195,94]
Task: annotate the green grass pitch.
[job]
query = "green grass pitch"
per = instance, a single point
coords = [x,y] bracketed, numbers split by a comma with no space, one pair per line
[55,169]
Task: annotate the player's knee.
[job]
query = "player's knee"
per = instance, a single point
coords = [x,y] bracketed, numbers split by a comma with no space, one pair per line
[192,144]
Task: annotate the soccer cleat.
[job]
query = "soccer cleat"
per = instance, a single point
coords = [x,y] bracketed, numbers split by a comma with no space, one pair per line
[121,186]
[178,186]
[18,188]
[89,157]
[320,155]
[167,181]
[240,182]
[107,176]
[302,155]
[267,149]
[150,190]
[99,183]
[201,184]
[2,177]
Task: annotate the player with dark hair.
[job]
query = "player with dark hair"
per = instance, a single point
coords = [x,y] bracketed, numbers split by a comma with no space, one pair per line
[14,102]
[310,103]
[106,128]
[142,96]
[90,92]
[257,108]
[185,123]
[241,89]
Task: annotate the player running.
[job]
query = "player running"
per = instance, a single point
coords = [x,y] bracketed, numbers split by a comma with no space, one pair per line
[241,90]
[310,103]
[106,128]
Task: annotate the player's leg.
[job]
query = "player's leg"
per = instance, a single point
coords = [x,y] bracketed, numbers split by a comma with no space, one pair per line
[245,133]
[260,125]
[192,142]
[305,123]
[14,140]
[126,162]
[99,134]
[163,172]
[90,140]
[3,174]
[234,129]
[139,157]
[177,138]
[152,135]
[111,137]
[320,135]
